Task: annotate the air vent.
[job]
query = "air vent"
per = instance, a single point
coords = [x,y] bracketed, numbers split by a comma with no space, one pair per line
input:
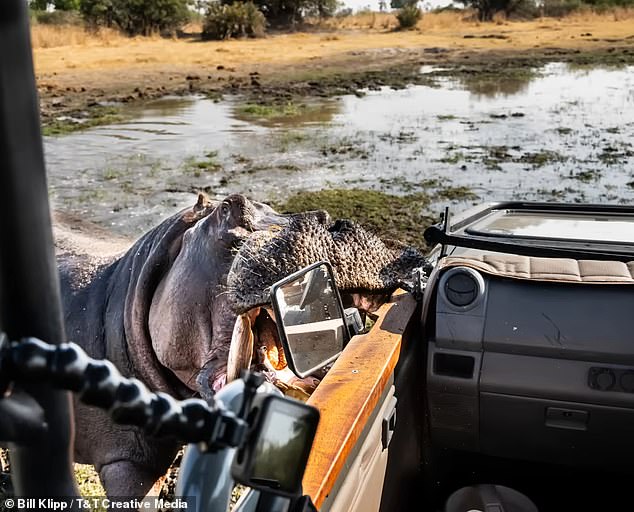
[462,287]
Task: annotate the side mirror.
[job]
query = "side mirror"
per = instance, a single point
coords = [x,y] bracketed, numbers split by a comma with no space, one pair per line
[310,318]
[275,456]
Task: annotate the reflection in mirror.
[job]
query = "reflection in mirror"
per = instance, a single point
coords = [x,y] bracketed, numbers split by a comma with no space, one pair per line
[279,451]
[274,456]
[311,319]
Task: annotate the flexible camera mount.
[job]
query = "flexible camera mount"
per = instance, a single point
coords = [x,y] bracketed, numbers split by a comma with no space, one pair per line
[128,401]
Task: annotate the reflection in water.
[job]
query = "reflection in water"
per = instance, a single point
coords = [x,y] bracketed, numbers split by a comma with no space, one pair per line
[169,106]
[492,86]
[559,133]
[309,113]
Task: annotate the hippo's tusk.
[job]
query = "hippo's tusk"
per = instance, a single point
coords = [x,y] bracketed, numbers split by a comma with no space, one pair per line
[241,349]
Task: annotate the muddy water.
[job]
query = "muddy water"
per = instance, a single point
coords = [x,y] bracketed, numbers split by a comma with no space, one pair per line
[556,133]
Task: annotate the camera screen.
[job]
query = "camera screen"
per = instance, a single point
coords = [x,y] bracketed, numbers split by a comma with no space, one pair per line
[283,446]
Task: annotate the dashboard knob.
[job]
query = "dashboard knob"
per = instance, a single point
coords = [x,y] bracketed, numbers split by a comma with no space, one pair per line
[602,379]
[627,381]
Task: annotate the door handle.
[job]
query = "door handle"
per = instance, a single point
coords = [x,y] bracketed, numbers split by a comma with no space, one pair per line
[389,423]
[569,419]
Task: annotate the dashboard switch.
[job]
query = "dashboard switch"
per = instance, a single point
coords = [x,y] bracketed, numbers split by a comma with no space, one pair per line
[601,379]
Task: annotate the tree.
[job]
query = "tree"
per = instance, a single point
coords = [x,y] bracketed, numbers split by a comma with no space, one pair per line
[289,12]
[136,17]
[38,5]
[399,4]
[66,5]
[487,8]
[322,8]
[60,5]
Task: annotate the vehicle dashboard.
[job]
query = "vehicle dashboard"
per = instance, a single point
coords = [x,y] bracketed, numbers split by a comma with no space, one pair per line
[532,357]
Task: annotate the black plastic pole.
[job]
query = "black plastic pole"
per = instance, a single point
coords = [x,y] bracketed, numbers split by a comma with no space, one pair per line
[29,284]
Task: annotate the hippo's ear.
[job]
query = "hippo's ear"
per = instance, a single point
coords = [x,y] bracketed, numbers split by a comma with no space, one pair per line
[202,202]
[202,207]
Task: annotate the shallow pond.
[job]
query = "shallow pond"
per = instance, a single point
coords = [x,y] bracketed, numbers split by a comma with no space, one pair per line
[556,133]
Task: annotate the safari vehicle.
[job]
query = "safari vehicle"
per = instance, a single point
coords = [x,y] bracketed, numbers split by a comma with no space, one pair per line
[501,380]
[507,386]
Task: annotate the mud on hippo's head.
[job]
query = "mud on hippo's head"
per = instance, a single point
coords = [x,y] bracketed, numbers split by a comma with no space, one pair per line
[216,287]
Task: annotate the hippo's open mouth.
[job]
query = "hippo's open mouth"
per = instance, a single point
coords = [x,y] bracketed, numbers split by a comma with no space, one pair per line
[256,344]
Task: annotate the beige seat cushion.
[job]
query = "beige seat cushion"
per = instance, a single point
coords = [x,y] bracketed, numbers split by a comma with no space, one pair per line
[545,269]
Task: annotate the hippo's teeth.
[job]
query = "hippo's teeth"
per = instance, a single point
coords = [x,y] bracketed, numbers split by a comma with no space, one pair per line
[241,348]
[257,326]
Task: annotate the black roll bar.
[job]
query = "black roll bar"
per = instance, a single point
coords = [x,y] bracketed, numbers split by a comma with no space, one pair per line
[29,283]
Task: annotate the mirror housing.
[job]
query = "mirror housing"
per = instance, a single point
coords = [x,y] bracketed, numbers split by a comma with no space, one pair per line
[275,456]
[310,318]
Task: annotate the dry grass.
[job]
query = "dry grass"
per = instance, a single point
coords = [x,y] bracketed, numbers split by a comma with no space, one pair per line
[590,16]
[362,20]
[193,27]
[387,21]
[453,19]
[446,20]
[88,481]
[55,36]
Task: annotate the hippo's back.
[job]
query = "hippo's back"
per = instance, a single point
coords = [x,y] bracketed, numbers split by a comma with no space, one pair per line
[82,249]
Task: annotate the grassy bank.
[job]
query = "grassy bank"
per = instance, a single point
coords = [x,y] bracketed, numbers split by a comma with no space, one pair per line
[392,217]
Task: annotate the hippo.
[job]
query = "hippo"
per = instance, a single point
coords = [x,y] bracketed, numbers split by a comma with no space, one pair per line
[171,309]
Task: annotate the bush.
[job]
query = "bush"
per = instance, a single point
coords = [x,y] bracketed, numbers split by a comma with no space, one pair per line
[284,13]
[560,8]
[66,5]
[408,16]
[320,8]
[60,5]
[343,12]
[136,17]
[56,17]
[521,10]
[239,19]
